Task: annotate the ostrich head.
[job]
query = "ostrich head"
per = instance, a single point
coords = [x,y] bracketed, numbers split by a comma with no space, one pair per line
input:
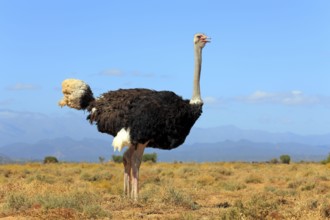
[200,40]
[77,94]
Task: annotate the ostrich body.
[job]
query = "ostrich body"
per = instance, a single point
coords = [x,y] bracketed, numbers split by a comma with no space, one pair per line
[139,118]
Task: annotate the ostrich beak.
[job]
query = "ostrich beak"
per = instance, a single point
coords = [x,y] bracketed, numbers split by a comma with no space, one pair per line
[206,39]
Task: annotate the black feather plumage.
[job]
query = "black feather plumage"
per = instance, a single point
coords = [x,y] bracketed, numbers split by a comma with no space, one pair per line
[160,117]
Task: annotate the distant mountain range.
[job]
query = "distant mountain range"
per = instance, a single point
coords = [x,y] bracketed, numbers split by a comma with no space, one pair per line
[65,149]
[89,150]
[70,137]
[244,150]
[223,133]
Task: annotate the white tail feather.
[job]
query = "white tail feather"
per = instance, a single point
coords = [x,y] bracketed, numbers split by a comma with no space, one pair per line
[121,140]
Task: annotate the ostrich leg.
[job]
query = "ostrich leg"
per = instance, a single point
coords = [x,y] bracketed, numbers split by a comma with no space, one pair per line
[136,162]
[127,170]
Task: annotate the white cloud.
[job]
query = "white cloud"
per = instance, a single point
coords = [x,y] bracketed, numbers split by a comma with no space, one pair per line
[23,86]
[5,114]
[210,100]
[294,97]
[259,96]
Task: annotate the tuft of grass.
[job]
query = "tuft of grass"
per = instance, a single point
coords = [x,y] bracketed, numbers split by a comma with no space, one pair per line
[325,210]
[95,212]
[188,171]
[177,198]
[260,207]
[233,186]
[81,201]
[232,213]
[205,180]
[76,200]
[17,202]
[270,189]
[45,179]
[295,184]
[253,179]
[96,176]
[308,187]
[148,194]
[224,172]
[312,204]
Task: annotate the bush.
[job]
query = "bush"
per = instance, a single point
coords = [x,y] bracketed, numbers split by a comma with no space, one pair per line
[274,161]
[101,159]
[50,159]
[146,157]
[150,157]
[327,160]
[285,159]
[117,158]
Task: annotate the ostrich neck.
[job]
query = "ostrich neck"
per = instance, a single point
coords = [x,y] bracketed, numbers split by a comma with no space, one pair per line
[196,97]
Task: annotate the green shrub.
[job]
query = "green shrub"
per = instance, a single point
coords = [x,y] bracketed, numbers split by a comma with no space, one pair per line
[146,157]
[274,161]
[285,159]
[50,159]
[117,158]
[17,201]
[150,157]
[101,159]
[327,160]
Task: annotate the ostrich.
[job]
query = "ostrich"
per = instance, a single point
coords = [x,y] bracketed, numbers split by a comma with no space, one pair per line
[139,118]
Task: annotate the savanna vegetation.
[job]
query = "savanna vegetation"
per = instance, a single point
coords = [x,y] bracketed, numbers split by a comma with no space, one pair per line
[145,158]
[167,191]
[50,159]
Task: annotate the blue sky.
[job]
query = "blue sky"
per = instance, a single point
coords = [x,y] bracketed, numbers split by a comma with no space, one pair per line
[267,67]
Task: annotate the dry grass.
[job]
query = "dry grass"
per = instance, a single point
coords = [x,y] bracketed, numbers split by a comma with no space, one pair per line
[167,191]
